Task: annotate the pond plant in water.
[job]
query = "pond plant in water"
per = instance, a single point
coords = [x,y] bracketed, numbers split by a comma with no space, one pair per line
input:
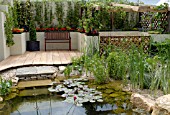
[133,66]
[5,86]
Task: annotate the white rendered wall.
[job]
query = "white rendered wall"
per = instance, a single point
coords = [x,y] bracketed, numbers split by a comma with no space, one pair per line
[160,37]
[20,44]
[4,49]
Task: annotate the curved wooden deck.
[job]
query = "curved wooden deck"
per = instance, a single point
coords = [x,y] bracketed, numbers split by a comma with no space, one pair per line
[39,58]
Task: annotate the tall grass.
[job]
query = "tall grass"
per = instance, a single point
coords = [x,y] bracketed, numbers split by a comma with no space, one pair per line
[141,69]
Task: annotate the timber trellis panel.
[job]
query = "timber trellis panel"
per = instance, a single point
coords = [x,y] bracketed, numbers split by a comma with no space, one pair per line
[148,21]
[124,41]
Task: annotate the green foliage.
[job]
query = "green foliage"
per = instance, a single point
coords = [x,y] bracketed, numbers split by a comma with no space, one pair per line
[59,13]
[15,14]
[117,64]
[99,69]
[70,15]
[67,71]
[8,25]
[39,11]
[32,30]
[5,86]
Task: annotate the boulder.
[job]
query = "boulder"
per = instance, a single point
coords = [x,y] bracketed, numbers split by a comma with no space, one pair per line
[162,105]
[62,68]
[1,99]
[142,102]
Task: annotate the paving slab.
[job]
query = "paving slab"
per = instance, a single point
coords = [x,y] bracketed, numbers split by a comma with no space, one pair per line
[25,84]
[46,69]
[26,71]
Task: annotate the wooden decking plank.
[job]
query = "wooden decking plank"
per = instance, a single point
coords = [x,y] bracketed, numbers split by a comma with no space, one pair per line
[10,61]
[56,58]
[37,59]
[67,56]
[43,58]
[62,57]
[73,54]
[3,63]
[79,54]
[49,58]
[21,60]
[29,60]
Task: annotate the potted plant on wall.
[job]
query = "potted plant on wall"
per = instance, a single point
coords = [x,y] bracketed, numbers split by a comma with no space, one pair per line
[33,44]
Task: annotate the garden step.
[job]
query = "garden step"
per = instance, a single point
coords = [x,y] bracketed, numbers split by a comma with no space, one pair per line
[37,83]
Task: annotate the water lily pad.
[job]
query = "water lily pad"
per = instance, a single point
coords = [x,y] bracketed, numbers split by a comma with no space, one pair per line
[100,100]
[92,101]
[64,95]
[79,104]
[51,89]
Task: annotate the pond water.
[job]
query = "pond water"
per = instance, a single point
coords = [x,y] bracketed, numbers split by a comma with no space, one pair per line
[54,105]
[115,102]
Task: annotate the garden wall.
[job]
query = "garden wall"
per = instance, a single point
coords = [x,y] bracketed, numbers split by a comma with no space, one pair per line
[160,37]
[4,49]
[20,44]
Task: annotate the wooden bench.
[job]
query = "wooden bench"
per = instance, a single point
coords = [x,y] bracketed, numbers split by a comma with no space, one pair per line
[57,37]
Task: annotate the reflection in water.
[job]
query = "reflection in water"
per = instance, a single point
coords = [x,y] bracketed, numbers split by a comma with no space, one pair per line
[53,105]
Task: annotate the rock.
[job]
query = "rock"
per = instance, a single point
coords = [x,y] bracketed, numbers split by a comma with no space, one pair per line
[15,80]
[2,107]
[162,105]
[62,68]
[33,77]
[10,96]
[54,75]
[142,102]
[1,99]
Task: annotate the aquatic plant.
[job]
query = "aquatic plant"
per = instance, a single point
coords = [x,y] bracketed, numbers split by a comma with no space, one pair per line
[117,64]
[99,69]
[5,86]
[136,66]
[67,71]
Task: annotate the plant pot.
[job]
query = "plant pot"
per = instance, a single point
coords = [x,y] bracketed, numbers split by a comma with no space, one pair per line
[33,46]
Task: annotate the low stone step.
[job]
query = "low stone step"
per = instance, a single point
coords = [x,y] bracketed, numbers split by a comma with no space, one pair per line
[35,70]
[37,83]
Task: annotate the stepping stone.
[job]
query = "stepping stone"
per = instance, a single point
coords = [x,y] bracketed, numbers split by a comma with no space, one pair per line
[46,69]
[26,71]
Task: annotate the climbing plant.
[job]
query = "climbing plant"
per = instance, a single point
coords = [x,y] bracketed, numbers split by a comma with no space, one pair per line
[59,13]
[8,25]
[39,11]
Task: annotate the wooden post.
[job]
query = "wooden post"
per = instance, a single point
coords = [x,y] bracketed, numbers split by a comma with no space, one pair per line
[168,19]
[112,21]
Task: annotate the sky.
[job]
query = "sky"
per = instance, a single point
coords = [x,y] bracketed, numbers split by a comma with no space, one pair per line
[151,2]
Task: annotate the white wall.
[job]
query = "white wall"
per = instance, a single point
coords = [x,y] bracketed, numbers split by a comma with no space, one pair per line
[4,49]
[20,44]
[160,37]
